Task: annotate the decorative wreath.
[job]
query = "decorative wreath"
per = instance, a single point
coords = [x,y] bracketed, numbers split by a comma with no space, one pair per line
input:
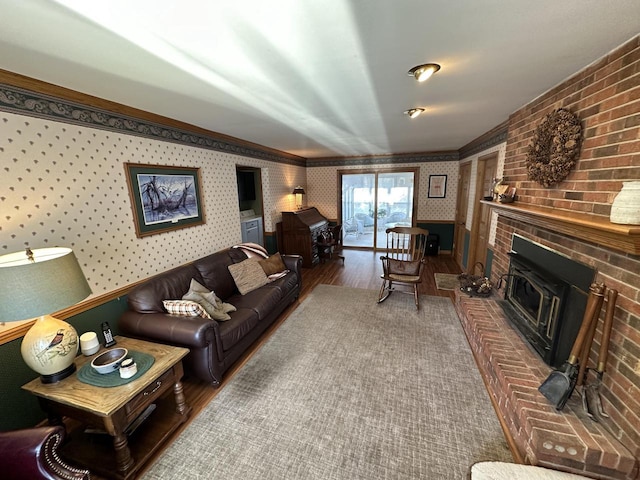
[555,148]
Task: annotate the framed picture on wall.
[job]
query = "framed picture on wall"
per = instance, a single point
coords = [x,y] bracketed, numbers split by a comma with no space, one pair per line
[164,198]
[437,186]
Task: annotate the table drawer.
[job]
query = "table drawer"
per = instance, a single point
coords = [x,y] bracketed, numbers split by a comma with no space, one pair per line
[150,393]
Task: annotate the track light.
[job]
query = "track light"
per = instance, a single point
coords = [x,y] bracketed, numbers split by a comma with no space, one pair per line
[423,72]
[414,112]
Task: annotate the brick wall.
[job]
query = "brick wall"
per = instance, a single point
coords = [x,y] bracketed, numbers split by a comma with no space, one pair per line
[606,98]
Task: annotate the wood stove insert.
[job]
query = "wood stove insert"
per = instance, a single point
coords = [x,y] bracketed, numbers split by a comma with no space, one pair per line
[545,298]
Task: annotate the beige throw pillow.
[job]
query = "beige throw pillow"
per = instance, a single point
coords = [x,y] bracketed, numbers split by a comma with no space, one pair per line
[216,308]
[248,275]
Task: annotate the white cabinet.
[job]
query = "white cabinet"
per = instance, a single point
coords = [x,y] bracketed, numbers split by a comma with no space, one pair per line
[252,231]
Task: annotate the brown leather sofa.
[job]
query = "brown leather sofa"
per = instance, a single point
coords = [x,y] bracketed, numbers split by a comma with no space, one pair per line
[214,345]
[32,454]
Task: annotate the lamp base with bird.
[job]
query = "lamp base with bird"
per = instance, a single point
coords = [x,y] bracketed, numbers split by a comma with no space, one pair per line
[50,348]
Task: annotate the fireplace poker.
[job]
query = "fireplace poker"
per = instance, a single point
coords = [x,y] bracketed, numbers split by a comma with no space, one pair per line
[592,390]
[559,385]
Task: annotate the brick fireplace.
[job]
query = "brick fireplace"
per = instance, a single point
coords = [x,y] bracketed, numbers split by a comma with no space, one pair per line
[567,440]
[572,218]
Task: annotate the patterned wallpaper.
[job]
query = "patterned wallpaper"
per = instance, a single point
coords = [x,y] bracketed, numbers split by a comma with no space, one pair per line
[323,194]
[65,185]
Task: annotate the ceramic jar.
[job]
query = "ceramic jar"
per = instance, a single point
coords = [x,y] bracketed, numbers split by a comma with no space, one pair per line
[89,343]
[625,208]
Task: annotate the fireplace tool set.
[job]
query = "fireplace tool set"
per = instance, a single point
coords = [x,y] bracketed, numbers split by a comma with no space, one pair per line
[591,392]
[559,386]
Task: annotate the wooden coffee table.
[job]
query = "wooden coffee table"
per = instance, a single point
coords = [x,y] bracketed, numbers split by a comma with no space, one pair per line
[106,446]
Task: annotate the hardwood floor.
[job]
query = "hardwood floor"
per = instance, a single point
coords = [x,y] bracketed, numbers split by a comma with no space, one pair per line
[361,269]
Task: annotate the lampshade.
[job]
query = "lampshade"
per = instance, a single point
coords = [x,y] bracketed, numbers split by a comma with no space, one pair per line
[298,192]
[36,283]
[423,72]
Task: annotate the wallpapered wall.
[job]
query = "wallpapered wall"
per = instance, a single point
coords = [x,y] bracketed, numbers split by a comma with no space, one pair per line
[65,185]
[323,192]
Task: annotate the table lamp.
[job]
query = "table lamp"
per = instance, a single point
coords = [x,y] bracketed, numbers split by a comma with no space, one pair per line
[34,284]
[298,192]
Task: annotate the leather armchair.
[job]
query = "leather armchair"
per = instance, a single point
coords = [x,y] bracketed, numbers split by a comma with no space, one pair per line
[31,453]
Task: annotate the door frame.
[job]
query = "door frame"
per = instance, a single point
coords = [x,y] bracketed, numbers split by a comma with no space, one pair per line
[478,209]
[376,171]
[461,224]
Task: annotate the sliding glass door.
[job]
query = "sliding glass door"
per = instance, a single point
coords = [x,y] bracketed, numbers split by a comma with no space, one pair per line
[372,201]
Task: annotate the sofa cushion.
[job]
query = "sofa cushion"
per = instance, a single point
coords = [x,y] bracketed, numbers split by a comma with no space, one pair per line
[248,275]
[242,322]
[263,300]
[286,283]
[214,273]
[185,308]
[148,297]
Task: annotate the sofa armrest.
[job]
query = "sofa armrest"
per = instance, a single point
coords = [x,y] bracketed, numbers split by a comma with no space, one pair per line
[191,332]
[294,263]
[32,453]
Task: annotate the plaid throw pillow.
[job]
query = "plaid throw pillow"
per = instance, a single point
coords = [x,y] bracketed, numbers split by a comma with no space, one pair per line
[185,308]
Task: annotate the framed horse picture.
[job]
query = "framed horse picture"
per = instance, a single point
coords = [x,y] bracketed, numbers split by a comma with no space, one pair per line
[164,198]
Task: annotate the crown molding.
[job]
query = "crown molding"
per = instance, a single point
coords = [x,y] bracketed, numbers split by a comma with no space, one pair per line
[28,96]
[371,160]
[487,140]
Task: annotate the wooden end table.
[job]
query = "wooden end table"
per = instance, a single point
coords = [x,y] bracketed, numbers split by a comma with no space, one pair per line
[115,452]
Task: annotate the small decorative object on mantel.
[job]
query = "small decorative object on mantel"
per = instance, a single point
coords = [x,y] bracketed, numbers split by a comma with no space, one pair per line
[508,196]
[476,285]
[492,194]
[555,148]
[625,208]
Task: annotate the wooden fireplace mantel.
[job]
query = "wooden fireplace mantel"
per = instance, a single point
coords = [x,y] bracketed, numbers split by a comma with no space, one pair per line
[592,228]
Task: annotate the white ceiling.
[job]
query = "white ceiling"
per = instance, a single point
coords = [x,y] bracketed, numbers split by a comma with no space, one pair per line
[316,78]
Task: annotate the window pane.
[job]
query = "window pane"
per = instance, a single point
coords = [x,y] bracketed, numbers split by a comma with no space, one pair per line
[373,202]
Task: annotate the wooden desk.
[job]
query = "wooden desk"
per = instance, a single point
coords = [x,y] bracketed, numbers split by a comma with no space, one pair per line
[300,232]
[115,454]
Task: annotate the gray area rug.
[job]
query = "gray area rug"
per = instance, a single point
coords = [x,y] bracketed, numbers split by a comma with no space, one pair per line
[347,389]
[447,281]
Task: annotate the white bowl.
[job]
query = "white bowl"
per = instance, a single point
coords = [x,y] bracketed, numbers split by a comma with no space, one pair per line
[110,360]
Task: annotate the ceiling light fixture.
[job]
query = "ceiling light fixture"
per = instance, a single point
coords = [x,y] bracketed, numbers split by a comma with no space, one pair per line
[423,72]
[414,112]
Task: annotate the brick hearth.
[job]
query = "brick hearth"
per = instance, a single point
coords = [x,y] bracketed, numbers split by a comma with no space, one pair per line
[567,440]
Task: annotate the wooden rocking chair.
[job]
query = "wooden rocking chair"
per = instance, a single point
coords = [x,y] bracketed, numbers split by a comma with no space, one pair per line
[404,260]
